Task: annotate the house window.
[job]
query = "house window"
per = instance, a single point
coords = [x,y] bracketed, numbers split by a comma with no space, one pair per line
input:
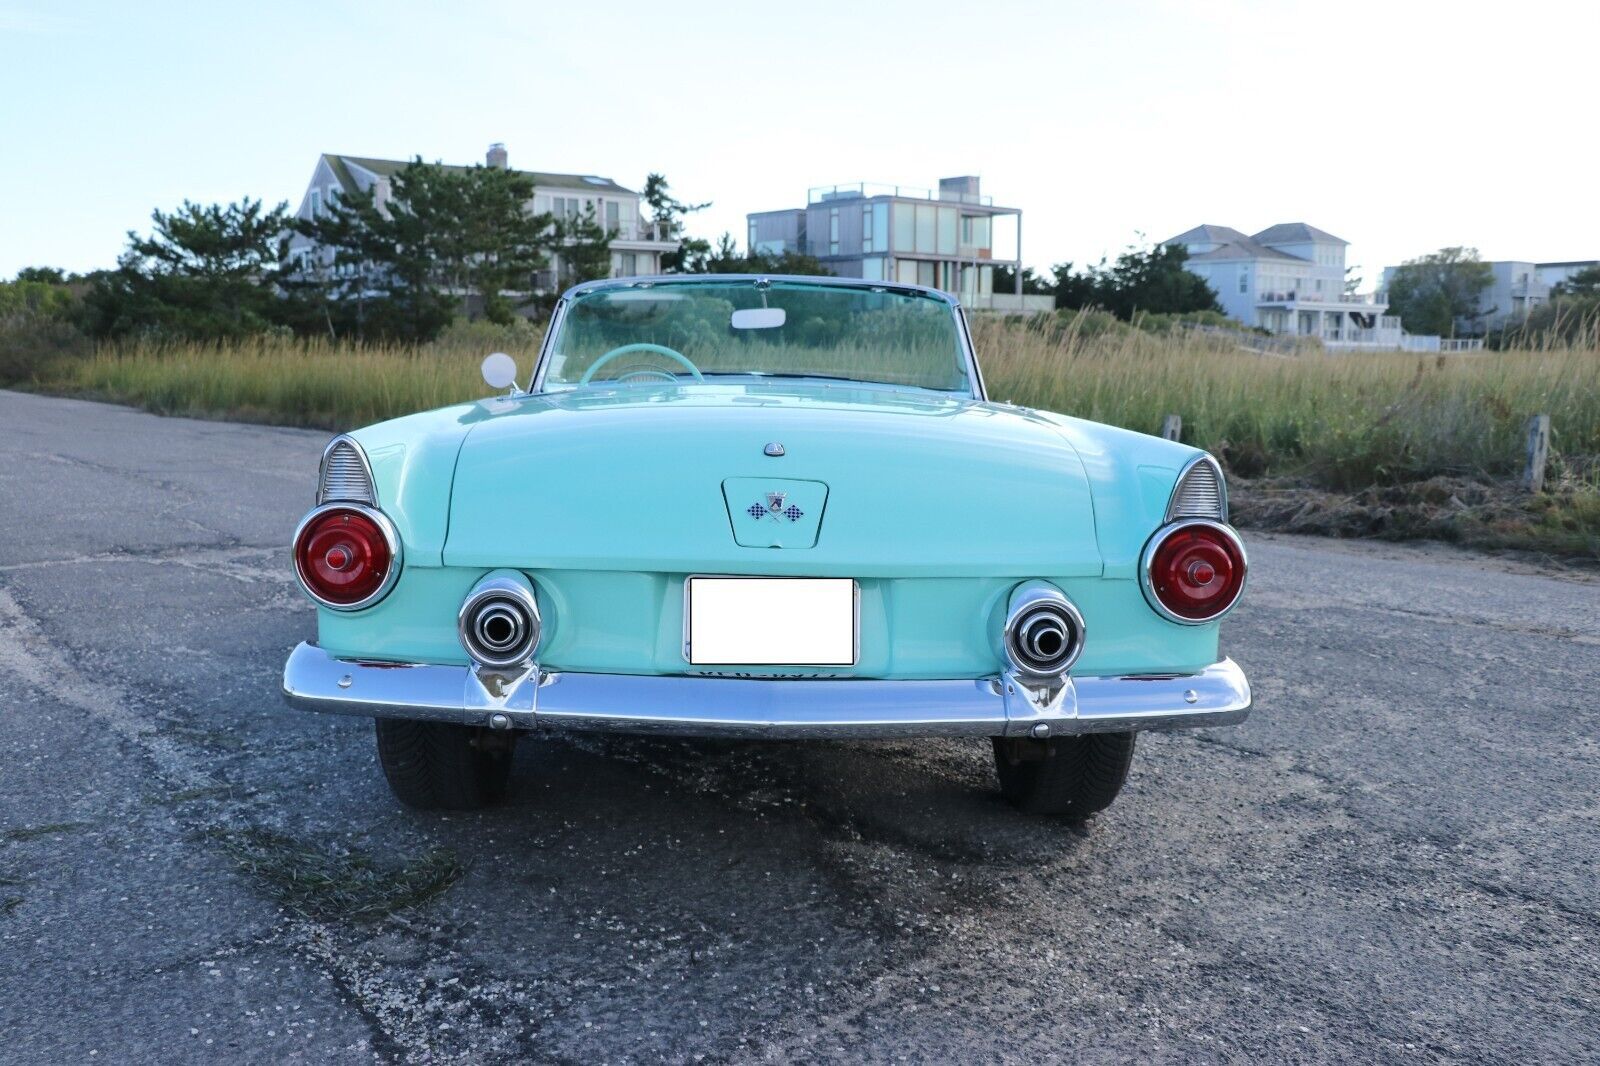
[974,235]
[875,227]
[750,239]
[613,215]
[833,231]
[927,226]
[316,202]
[1244,279]
[947,231]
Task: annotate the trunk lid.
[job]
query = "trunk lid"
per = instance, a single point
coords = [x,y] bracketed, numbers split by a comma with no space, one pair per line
[885,483]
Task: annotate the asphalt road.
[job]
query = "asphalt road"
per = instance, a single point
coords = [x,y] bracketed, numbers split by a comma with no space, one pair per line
[1395,859]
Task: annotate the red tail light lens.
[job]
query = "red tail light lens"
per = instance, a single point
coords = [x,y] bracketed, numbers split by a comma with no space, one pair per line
[1194,571]
[345,556]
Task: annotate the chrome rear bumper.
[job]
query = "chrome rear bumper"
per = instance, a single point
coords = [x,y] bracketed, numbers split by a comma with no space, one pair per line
[754,707]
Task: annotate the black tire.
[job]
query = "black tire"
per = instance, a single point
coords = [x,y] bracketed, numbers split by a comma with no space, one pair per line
[1072,777]
[440,766]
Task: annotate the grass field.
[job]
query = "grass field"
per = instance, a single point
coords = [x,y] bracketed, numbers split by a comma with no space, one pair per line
[1339,425]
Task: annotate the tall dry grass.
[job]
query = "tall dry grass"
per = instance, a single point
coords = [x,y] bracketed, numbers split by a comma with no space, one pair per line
[1342,420]
[284,382]
[1346,420]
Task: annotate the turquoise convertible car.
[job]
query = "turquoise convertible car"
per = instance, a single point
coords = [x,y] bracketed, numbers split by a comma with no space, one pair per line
[764,507]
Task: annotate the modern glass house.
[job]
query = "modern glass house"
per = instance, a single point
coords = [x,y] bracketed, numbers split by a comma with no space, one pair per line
[943,239]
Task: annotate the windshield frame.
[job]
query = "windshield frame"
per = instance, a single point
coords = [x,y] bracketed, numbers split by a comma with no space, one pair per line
[975,387]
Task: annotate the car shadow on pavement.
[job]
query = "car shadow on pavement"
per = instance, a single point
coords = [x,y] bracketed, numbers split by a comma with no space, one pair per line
[934,798]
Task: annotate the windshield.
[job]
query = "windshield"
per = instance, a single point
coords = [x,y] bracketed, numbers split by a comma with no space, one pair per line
[680,331]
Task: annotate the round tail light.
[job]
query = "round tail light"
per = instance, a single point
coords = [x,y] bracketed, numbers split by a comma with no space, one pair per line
[1194,571]
[346,556]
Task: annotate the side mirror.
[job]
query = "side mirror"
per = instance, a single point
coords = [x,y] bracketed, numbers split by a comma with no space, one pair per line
[500,371]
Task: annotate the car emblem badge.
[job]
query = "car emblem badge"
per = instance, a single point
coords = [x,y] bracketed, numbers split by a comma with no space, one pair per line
[773,449]
[777,508]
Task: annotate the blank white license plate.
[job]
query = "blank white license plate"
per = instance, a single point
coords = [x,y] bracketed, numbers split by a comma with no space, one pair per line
[770,621]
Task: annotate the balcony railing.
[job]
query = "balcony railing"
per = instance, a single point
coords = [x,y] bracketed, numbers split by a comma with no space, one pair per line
[642,230]
[638,230]
[862,189]
[1291,295]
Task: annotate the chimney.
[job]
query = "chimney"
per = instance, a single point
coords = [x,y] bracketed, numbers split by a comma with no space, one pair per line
[497,156]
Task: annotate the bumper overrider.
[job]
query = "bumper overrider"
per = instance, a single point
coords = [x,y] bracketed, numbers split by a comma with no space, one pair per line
[527,697]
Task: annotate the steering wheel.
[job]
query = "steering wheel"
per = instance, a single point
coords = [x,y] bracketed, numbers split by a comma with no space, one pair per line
[659,349]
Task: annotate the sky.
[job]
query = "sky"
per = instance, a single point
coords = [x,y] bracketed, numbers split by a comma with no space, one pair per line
[1401,127]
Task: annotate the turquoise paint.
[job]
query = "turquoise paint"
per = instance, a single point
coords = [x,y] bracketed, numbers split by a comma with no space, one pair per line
[629,622]
[413,464]
[608,498]
[919,484]
[1132,475]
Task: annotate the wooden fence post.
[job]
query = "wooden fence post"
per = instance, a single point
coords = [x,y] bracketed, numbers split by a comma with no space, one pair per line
[1538,453]
[1172,427]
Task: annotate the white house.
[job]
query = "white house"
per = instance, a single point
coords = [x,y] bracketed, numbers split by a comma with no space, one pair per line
[636,249]
[1289,279]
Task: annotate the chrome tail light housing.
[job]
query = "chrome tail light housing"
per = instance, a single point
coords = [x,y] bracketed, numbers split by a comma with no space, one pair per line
[345,475]
[1193,571]
[347,556]
[1201,492]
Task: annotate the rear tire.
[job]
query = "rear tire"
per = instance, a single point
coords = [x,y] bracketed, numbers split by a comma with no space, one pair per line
[1071,777]
[442,766]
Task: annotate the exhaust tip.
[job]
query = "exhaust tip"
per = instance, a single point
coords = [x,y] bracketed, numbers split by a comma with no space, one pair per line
[499,623]
[1044,634]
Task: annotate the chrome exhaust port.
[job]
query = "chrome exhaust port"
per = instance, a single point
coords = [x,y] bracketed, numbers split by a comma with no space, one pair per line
[1044,631]
[499,621]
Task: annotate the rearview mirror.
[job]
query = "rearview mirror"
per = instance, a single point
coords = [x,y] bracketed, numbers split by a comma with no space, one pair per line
[500,371]
[759,318]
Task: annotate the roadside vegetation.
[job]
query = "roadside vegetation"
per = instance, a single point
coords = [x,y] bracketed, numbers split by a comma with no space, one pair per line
[1348,444]
[1369,444]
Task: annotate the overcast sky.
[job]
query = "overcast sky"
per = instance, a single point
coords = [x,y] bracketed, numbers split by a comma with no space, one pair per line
[1400,127]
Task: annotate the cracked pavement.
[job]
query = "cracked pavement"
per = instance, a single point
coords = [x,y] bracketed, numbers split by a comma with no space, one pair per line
[1393,860]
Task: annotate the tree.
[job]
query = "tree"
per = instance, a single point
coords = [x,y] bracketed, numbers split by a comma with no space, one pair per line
[1072,290]
[1441,292]
[45,275]
[1152,281]
[1005,280]
[726,259]
[38,291]
[667,215]
[1585,282]
[585,248]
[403,269]
[501,245]
[204,272]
